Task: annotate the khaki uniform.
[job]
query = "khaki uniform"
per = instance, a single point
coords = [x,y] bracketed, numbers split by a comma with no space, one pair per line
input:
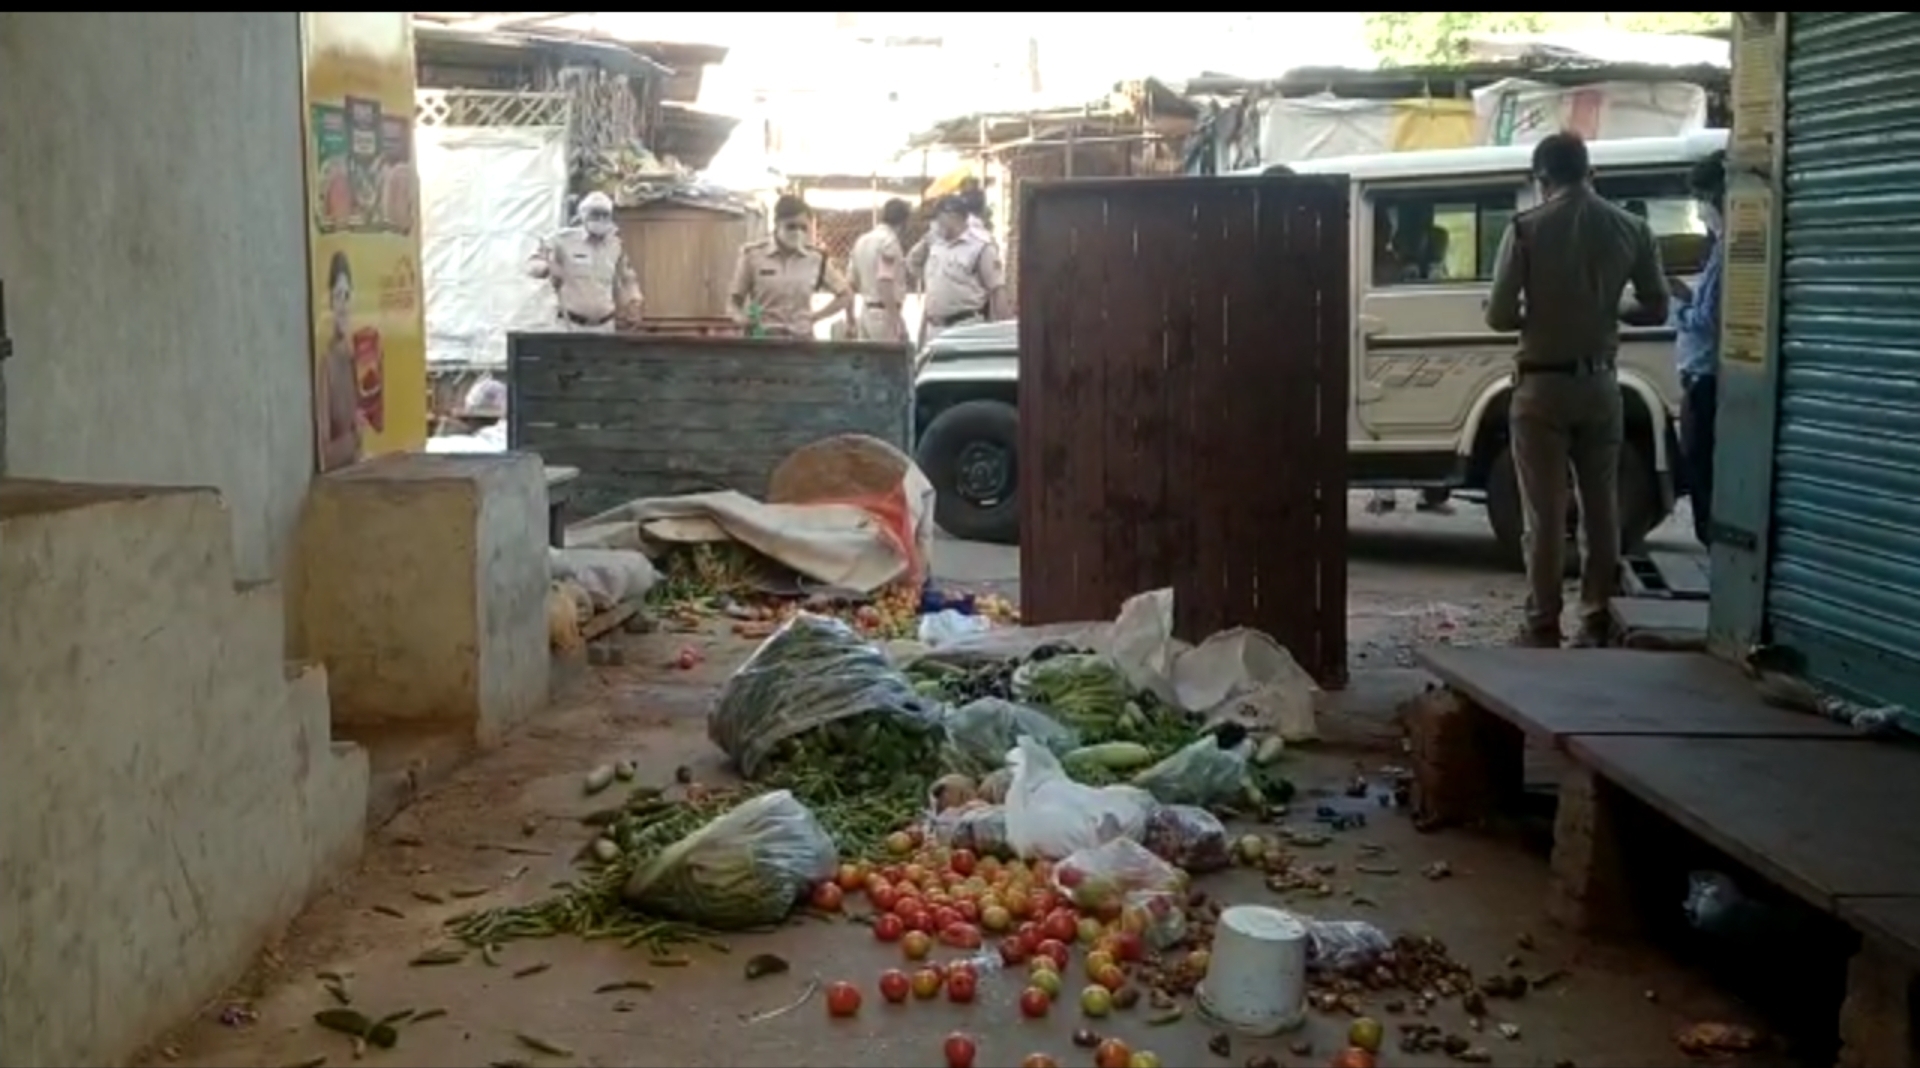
[591,277]
[878,273]
[783,283]
[961,274]
[1562,269]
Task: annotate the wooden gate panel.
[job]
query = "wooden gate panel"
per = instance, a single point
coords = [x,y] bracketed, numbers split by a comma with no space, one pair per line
[1184,376]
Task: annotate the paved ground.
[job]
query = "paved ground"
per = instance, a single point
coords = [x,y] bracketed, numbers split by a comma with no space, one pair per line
[506,824]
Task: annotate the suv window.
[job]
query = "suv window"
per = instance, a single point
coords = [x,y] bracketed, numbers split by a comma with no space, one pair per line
[1667,205]
[1438,236]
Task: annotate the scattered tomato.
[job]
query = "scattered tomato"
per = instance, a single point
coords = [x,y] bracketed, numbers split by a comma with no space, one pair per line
[1143,1059]
[1012,951]
[1353,1057]
[1090,930]
[995,917]
[1038,1060]
[926,983]
[688,658]
[895,986]
[1060,926]
[1366,1033]
[961,986]
[851,877]
[1111,1053]
[916,945]
[899,843]
[1096,1001]
[1097,960]
[1019,905]
[960,936]
[1068,876]
[963,862]
[969,910]
[883,896]
[960,1050]
[889,928]
[1046,980]
[828,897]
[843,999]
[1111,977]
[1034,1002]
[1129,947]
[1030,936]
[1042,902]
[1055,949]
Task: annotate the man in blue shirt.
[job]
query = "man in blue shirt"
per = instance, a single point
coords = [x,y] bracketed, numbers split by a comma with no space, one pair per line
[1696,321]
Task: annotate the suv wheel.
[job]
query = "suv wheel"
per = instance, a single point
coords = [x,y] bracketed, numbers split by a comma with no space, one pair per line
[969,453]
[1639,503]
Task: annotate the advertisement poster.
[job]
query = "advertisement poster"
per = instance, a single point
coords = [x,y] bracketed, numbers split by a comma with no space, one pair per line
[369,335]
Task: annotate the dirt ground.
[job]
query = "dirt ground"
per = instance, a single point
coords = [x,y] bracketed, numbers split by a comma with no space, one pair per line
[503,828]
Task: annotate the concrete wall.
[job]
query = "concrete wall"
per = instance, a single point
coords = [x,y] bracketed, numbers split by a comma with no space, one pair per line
[153,243]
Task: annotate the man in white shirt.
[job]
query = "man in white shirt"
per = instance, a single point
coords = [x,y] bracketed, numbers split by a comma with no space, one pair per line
[960,270]
[592,279]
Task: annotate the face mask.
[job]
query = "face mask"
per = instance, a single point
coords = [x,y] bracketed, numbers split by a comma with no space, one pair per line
[790,237]
[598,226]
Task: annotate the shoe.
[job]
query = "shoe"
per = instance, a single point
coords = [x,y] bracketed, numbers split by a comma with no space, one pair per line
[1530,638]
[1594,634]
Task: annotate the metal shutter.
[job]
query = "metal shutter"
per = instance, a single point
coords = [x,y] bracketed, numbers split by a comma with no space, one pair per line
[1843,584]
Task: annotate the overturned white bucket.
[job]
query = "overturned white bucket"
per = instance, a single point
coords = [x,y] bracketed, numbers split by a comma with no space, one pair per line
[1257,975]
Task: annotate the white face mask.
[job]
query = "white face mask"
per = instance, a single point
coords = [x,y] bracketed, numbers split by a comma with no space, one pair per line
[599,226]
[790,237]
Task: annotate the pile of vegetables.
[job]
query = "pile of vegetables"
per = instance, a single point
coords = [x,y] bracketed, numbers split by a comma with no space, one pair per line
[855,747]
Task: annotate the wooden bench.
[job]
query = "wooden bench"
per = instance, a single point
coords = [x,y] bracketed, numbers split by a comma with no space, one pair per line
[560,482]
[1811,806]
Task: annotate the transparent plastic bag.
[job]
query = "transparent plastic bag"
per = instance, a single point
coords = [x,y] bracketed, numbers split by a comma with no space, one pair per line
[1343,945]
[1201,773]
[811,672]
[1050,815]
[1189,838]
[981,828]
[746,868]
[1079,689]
[1099,879]
[1159,916]
[980,732]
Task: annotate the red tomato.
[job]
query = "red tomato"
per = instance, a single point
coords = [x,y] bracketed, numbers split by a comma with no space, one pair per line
[883,896]
[1129,947]
[1034,1003]
[1353,1057]
[1067,877]
[968,910]
[843,999]
[1042,902]
[961,986]
[1014,951]
[960,1051]
[1056,949]
[944,917]
[1111,1053]
[960,936]
[828,897]
[962,862]
[1030,936]
[895,986]
[1038,1060]
[1061,926]
[889,928]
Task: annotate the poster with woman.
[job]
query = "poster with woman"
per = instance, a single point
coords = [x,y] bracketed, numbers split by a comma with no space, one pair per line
[370,365]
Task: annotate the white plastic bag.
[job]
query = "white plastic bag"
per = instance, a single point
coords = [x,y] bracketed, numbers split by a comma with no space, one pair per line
[1098,880]
[610,576]
[1050,815]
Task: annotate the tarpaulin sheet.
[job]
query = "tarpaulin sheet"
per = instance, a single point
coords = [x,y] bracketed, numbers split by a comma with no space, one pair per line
[488,195]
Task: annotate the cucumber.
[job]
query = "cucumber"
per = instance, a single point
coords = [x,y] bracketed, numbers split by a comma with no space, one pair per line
[598,779]
[1113,756]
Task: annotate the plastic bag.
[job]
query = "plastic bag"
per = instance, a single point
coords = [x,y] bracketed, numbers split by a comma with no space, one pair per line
[610,576]
[979,827]
[746,868]
[1159,915]
[980,732]
[1343,945]
[1201,773]
[1189,838]
[947,625]
[1050,815]
[1079,689]
[811,672]
[1099,879]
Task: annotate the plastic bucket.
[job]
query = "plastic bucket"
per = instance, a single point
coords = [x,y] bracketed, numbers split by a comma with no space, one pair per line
[1256,978]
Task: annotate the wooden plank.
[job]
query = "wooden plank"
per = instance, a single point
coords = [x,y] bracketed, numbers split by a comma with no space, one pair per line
[1684,574]
[1894,922]
[1822,818]
[603,623]
[1672,624]
[1560,692]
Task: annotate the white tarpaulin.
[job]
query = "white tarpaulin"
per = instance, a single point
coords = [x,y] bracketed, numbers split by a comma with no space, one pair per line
[1520,112]
[488,195]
